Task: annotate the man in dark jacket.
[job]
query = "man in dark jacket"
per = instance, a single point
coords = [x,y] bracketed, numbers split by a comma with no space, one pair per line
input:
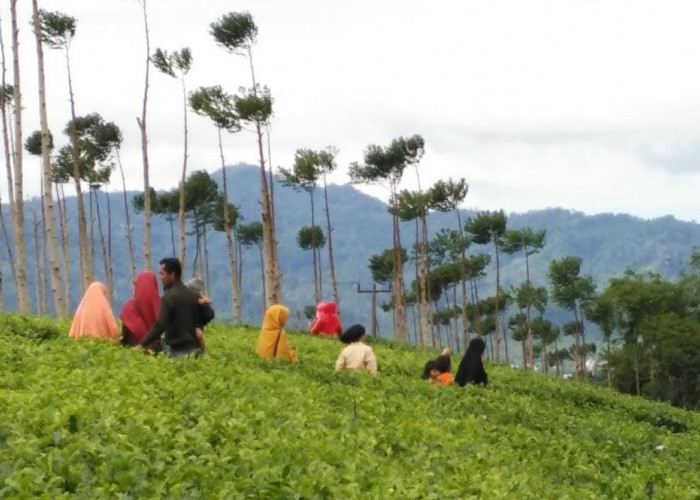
[181,313]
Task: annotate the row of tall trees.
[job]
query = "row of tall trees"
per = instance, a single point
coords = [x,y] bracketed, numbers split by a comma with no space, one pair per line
[92,153]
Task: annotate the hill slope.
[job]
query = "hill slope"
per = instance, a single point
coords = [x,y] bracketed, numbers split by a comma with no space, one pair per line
[607,243]
[92,419]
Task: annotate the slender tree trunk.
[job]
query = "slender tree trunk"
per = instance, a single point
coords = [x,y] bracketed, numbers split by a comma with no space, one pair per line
[557,361]
[63,221]
[207,267]
[147,260]
[239,285]
[103,247]
[421,333]
[423,279]
[607,364]
[262,271]
[273,285]
[577,355]
[454,317]
[463,279]
[528,312]
[546,360]
[197,249]
[129,241]
[7,245]
[91,228]
[172,234]
[497,331]
[398,290]
[331,258]
[60,306]
[18,219]
[38,275]
[181,206]
[230,243]
[110,262]
[314,249]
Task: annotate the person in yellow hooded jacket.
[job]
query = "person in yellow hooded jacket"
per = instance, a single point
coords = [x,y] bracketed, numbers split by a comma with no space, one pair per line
[272,341]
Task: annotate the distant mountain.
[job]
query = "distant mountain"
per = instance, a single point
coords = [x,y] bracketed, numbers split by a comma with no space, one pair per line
[608,244]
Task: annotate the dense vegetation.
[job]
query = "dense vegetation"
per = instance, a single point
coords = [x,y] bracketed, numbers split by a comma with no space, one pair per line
[94,420]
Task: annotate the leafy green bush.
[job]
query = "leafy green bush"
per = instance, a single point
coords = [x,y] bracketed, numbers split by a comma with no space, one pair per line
[90,419]
[31,327]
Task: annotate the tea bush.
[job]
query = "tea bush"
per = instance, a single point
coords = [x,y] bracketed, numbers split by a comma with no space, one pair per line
[90,419]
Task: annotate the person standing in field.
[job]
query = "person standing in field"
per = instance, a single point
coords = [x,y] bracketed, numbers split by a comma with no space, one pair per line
[272,341]
[94,317]
[180,313]
[197,286]
[471,368]
[357,355]
[327,321]
[140,313]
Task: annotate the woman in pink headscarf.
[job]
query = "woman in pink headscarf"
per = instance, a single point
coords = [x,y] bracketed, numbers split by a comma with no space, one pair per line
[140,313]
[94,317]
[327,321]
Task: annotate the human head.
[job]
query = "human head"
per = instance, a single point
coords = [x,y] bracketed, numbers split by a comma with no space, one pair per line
[442,364]
[355,333]
[196,285]
[427,369]
[276,316]
[170,271]
[477,346]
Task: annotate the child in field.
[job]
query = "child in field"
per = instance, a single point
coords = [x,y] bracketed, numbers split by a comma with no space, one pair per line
[272,341]
[94,317]
[357,355]
[438,370]
[197,286]
[471,368]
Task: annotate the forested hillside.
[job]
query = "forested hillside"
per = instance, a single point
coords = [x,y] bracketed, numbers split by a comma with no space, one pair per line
[608,244]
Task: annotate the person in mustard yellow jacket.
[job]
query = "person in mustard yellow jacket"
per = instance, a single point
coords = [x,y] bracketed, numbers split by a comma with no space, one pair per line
[272,341]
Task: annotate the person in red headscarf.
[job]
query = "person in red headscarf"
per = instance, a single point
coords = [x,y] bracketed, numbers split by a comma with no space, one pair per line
[327,321]
[140,313]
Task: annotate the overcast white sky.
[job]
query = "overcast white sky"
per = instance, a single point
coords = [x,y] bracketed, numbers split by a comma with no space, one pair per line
[592,105]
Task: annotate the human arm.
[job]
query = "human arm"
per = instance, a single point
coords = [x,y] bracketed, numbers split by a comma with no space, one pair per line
[205,314]
[159,327]
[200,338]
[315,327]
[371,362]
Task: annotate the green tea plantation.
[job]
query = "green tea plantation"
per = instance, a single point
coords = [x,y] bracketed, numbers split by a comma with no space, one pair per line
[89,419]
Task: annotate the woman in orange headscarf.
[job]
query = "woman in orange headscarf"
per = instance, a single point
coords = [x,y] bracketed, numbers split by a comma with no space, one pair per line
[140,313]
[94,317]
[272,342]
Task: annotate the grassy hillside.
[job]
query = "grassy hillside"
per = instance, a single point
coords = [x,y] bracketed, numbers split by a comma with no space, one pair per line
[98,421]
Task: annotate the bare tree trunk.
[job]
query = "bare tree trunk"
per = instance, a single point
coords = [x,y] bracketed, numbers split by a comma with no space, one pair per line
[38,275]
[399,298]
[60,306]
[63,220]
[530,341]
[331,258]
[197,249]
[230,243]
[91,227]
[314,250]
[169,216]
[130,243]
[144,151]
[7,246]
[273,285]
[18,218]
[262,270]
[86,269]
[110,263]
[207,274]
[546,360]
[421,333]
[103,247]
[463,280]
[423,280]
[497,331]
[239,285]
[181,207]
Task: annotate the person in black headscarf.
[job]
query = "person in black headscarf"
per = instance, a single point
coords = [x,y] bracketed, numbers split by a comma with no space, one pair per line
[471,369]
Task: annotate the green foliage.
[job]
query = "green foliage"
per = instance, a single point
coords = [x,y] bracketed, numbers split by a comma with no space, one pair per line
[32,143]
[310,237]
[569,288]
[382,266]
[236,32]
[487,227]
[89,419]
[412,205]
[217,105]
[251,234]
[57,29]
[169,63]
[447,195]
[388,163]
[254,105]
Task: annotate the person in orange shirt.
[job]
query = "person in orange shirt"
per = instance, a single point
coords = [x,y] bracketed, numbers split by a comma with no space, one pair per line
[438,370]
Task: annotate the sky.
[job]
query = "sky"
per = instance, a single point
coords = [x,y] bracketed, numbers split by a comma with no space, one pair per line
[591,105]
